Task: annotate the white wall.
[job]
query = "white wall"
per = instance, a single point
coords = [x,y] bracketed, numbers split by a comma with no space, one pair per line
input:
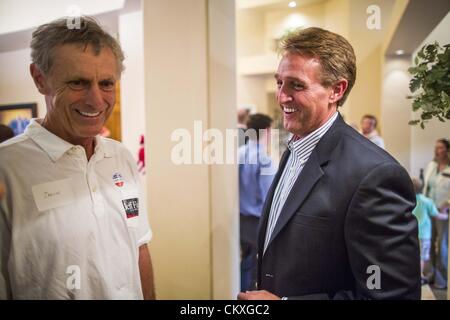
[132,81]
[16,15]
[16,84]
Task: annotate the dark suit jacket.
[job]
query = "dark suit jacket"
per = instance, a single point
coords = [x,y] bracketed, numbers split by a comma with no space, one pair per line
[350,208]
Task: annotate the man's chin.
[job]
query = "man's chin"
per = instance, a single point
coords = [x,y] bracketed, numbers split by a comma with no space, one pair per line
[86,134]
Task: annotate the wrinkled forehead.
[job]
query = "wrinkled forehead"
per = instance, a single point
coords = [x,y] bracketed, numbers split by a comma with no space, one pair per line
[84,60]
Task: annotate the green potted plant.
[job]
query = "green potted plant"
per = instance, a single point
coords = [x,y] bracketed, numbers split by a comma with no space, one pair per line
[430,84]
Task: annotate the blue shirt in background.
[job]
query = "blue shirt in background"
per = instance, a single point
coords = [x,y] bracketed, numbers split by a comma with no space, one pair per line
[256,173]
[424,210]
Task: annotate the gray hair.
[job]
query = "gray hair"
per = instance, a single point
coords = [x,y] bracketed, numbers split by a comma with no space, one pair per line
[49,36]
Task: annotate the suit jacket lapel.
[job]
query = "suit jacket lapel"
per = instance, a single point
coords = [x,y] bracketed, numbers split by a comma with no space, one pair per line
[311,173]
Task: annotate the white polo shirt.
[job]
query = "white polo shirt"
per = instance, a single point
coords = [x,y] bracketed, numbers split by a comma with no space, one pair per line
[69,228]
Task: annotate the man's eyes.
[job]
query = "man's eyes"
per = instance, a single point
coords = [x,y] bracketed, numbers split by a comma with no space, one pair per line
[293,85]
[78,84]
[106,85]
[297,86]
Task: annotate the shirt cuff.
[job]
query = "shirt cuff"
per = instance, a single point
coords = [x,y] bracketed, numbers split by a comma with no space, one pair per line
[145,239]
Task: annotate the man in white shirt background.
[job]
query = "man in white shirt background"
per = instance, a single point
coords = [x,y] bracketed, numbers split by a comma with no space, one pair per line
[369,130]
[72,224]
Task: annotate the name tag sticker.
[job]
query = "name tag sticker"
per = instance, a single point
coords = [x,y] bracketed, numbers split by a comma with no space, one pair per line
[53,194]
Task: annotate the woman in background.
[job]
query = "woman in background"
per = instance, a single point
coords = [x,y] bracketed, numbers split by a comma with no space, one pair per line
[437,187]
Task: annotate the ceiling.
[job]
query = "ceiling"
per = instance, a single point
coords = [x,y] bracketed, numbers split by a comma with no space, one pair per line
[271,4]
[417,22]
[20,39]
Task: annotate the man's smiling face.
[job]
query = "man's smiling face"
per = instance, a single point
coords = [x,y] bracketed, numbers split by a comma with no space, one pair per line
[80,91]
[305,103]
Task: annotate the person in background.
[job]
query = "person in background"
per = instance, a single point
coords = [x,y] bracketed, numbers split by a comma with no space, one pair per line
[425,209]
[254,182]
[5,133]
[243,115]
[369,130]
[437,187]
[72,222]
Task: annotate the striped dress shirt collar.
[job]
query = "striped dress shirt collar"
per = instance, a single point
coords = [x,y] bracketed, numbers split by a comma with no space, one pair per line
[301,149]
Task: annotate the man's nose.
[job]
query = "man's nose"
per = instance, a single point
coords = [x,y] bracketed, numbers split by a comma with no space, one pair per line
[283,96]
[94,97]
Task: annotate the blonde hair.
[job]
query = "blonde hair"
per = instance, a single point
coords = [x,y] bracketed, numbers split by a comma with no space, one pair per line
[335,54]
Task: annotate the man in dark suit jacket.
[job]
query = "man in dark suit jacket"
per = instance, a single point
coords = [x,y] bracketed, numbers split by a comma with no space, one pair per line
[337,222]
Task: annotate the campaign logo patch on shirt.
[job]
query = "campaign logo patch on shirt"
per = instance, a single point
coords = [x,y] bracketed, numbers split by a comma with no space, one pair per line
[131,207]
[118,180]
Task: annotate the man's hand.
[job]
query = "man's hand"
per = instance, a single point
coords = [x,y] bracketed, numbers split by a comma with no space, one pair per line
[444,206]
[257,295]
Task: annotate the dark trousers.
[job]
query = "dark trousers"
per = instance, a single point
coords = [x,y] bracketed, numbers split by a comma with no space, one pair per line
[439,252]
[249,234]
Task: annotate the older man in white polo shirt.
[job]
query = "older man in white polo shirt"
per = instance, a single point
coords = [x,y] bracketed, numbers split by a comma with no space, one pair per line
[72,225]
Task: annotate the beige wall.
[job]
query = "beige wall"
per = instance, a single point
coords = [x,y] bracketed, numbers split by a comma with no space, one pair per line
[396,109]
[257,31]
[223,178]
[336,16]
[250,32]
[346,17]
[278,21]
[192,207]
[132,80]
[16,84]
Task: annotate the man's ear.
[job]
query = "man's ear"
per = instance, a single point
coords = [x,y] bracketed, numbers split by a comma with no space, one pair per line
[338,90]
[38,78]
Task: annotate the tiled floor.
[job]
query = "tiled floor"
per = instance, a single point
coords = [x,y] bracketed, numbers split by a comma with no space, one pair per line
[427,293]
[440,294]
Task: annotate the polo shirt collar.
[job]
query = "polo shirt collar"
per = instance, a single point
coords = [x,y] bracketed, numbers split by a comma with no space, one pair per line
[56,147]
[53,145]
[102,149]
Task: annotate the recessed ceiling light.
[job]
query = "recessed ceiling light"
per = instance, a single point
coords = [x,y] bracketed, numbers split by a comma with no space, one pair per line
[399,52]
[292,4]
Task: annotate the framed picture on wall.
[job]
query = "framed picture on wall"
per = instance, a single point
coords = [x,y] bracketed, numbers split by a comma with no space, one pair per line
[17,116]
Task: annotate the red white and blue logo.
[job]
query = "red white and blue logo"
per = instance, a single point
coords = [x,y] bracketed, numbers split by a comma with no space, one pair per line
[118,180]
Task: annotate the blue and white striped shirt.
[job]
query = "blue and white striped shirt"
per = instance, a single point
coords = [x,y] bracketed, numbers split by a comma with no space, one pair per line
[300,149]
